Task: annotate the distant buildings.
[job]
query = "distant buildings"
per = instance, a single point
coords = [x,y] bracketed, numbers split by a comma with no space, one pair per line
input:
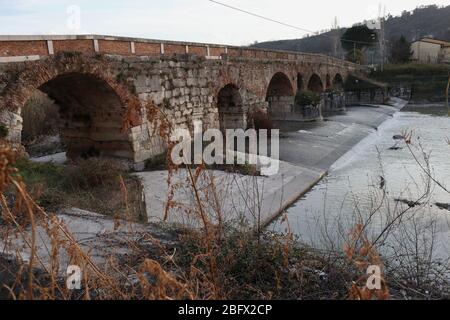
[445,55]
[429,50]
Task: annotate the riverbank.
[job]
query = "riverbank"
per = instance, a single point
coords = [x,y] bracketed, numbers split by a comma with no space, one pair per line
[419,83]
[227,261]
[307,151]
[383,174]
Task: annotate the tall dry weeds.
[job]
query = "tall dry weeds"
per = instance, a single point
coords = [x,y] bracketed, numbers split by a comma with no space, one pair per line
[23,218]
[213,261]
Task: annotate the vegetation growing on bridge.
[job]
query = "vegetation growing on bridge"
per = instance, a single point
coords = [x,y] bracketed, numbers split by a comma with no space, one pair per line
[307,98]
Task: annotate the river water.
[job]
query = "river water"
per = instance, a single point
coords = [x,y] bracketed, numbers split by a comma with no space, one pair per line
[373,177]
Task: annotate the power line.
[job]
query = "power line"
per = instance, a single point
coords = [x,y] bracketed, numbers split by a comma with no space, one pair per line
[279,22]
[259,16]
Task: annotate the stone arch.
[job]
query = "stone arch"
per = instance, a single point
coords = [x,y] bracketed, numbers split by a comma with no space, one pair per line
[338,82]
[231,109]
[96,111]
[315,84]
[328,84]
[300,85]
[280,95]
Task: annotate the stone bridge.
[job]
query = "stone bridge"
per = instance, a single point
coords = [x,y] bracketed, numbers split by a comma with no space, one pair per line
[105,85]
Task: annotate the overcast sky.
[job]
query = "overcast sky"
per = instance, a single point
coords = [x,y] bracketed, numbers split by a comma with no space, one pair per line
[189,20]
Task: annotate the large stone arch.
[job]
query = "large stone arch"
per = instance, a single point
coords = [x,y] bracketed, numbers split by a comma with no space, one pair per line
[231,108]
[280,96]
[97,111]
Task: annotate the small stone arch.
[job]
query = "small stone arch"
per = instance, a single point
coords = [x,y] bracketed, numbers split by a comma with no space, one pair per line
[315,84]
[338,82]
[280,96]
[231,109]
[279,85]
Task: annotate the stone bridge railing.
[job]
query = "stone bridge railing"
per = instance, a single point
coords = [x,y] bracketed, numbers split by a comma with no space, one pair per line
[22,48]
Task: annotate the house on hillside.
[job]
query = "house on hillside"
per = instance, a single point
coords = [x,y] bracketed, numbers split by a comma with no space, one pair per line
[445,56]
[429,50]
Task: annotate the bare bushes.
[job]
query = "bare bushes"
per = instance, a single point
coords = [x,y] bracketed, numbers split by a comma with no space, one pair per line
[41,123]
[93,184]
[94,173]
[239,260]
[24,282]
[213,261]
[40,117]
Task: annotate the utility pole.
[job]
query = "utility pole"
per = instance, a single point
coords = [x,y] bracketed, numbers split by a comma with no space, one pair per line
[382,44]
[381,17]
[446,95]
[335,36]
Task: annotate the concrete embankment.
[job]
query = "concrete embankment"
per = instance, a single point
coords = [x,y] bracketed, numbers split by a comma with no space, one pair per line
[307,151]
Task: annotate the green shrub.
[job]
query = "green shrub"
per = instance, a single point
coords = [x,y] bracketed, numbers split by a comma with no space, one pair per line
[261,120]
[334,91]
[412,70]
[307,98]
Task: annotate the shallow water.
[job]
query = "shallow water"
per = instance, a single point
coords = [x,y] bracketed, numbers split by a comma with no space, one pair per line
[355,184]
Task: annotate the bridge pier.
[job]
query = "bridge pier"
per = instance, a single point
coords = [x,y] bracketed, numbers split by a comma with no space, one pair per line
[12,123]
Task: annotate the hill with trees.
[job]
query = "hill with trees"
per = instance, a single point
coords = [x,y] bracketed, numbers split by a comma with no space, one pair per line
[423,21]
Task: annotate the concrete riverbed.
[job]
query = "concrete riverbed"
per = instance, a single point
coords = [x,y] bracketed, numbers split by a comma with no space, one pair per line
[307,151]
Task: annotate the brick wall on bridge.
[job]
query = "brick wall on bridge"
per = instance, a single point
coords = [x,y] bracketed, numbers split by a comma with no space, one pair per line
[33,46]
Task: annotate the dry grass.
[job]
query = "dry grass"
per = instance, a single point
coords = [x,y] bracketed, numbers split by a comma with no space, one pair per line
[40,117]
[92,184]
[22,213]
[214,261]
